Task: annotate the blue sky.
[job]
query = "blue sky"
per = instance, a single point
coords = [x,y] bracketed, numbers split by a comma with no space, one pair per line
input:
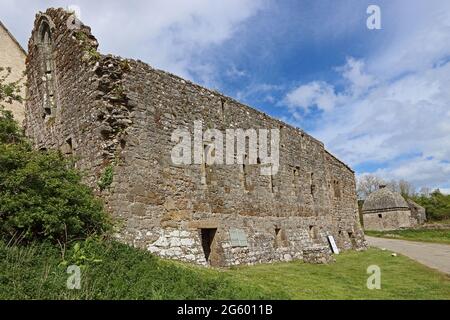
[378,99]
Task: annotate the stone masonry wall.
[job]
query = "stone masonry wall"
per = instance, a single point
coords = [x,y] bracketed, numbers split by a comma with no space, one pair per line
[120,114]
[13,56]
[389,220]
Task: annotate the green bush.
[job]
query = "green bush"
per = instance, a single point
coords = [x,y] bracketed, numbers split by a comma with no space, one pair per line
[41,196]
[9,129]
[437,205]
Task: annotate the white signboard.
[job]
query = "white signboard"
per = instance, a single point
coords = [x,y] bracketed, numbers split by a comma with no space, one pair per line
[238,238]
[333,244]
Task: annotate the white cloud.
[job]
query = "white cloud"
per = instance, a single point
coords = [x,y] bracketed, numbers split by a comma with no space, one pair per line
[402,124]
[323,95]
[170,35]
[314,94]
[255,89]
[358,80]
[234,72]
[418,37]
[394,119]
[420,171]
[394,110]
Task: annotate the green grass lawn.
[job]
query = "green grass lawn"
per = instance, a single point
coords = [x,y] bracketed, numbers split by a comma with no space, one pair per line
[426,235]
[401,278]
[115,271]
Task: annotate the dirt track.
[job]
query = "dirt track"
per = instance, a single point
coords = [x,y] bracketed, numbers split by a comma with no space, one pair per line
[433,255]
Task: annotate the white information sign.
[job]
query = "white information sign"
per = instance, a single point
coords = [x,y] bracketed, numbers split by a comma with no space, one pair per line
[333,244]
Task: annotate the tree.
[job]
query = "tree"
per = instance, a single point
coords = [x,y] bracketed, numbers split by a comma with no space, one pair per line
[367,184]
[10,131]
[425,191]
[41,194]
[9,91]
[404,187]
[436,204]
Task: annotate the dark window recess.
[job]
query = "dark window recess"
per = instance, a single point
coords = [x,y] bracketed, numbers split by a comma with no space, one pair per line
[380,215]
[279,237]
[123,143]
[245,178]
[336,189]
[68,147]
[222,108]
[46,55]
[207,241]
[312,232]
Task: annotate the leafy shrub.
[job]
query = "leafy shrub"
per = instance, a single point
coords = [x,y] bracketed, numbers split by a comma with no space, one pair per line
[437,205]
[9,129]
[41,196]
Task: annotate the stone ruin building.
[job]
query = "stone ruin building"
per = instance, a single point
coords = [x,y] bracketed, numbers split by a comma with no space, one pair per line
[12,55]
[116,116]
[385,209]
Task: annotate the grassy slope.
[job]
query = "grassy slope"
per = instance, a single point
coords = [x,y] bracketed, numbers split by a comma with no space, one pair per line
[401,278]
[426,235]
[125,273]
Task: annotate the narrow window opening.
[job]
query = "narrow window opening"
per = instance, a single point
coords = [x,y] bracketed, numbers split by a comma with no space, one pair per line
[222,108]
[279,238]
[244,179]
[337,189]
[312,232]
[123,143]
[68,148]
[296,177]
[312,185]
[380,215]
[45,39]
[272,186]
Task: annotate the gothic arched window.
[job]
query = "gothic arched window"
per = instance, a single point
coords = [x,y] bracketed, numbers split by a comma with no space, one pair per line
[46,44]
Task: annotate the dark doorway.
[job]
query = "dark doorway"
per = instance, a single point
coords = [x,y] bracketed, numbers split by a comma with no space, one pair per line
[352,239]
[207,241]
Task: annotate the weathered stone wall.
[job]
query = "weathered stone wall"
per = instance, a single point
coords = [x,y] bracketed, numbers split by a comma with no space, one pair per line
[389,220]
[13,56]
[418,215]
[120,114]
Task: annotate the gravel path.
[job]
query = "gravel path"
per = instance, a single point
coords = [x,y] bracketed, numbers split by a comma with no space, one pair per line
[433,255]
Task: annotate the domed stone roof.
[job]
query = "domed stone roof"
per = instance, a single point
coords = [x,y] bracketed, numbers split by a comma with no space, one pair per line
[384,199]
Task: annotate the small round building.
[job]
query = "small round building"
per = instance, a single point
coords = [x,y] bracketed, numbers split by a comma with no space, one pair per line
[385,209]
